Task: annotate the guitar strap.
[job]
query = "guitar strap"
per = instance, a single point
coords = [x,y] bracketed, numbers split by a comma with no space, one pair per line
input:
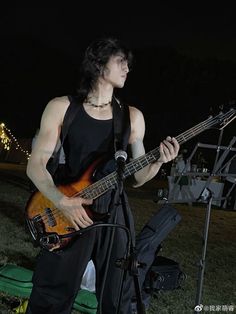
[121,125]
[68,118]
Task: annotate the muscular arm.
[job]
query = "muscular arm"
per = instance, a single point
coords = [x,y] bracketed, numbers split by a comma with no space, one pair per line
[43,148]
[168,148]
[45,143]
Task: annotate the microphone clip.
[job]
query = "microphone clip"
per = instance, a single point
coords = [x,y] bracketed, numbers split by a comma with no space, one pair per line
[120,157]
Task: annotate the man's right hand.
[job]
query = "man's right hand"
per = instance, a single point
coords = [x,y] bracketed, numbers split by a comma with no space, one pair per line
[72,209]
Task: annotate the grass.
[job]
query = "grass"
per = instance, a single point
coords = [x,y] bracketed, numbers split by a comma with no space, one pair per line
[183,244]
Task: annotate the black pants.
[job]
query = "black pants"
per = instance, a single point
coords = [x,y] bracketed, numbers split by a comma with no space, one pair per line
[58,275]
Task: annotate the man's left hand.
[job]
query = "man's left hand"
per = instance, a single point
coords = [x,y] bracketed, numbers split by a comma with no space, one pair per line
[169,149]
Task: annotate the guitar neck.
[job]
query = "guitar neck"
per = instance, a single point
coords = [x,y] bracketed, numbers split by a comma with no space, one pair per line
[100,187]
[143,161]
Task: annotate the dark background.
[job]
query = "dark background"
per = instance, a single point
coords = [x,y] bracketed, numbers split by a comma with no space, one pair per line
[184,66]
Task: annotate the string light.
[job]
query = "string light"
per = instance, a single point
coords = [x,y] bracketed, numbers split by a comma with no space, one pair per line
[7,139]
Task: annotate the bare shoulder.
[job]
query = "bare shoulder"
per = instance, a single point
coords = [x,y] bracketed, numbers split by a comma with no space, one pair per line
[136,115]
[56,108]
[58,103]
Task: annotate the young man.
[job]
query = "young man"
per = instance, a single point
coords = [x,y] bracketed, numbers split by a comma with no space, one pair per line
[58,274]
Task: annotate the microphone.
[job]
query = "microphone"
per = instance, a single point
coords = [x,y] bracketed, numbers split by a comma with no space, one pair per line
[120,157]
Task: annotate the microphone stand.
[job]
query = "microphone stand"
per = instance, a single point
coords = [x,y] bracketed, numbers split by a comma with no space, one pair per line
[206,195]
[129,263]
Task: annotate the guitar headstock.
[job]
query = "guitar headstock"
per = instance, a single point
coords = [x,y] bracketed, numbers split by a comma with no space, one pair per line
[227,113]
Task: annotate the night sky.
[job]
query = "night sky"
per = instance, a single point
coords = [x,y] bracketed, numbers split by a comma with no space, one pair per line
[185,62]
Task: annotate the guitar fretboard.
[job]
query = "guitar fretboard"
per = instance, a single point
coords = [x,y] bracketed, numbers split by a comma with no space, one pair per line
[100,187]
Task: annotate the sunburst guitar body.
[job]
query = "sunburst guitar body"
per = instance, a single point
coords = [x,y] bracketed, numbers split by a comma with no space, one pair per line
[47,225]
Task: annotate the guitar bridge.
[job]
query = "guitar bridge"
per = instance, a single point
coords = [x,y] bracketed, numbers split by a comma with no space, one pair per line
[48,240]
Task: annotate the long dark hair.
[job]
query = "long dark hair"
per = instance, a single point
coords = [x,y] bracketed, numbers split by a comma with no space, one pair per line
[95,58]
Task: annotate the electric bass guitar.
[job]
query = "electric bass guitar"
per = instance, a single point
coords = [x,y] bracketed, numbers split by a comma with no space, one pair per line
[52,230]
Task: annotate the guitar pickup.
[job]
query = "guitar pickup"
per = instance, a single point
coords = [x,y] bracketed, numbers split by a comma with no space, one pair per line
[50,217]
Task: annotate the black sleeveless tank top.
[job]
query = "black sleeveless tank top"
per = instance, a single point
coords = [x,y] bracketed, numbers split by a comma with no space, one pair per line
[87,139]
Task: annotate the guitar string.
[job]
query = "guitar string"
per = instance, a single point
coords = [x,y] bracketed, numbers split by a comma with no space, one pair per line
[57,213]
[113,176]
[183,135]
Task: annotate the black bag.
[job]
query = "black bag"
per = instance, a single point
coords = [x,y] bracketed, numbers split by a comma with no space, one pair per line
[164,274]
[148,244]
[148,241]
